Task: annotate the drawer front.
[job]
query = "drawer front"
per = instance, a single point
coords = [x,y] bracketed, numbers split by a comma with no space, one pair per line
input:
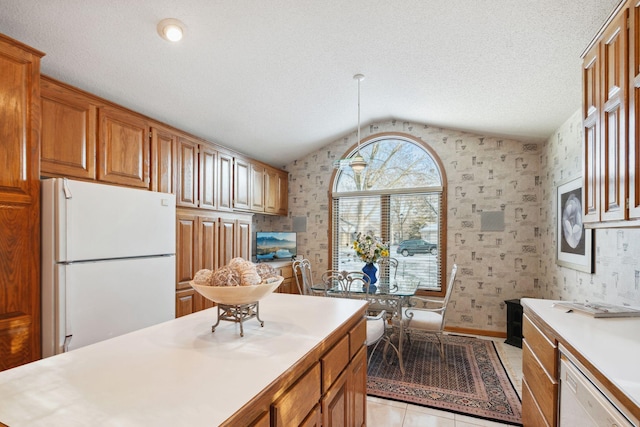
[357,337]
[297,402]
[333,362]
[546,351]
[531,414]
[543,388]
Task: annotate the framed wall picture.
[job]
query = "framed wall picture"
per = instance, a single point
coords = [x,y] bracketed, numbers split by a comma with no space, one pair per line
[575,243]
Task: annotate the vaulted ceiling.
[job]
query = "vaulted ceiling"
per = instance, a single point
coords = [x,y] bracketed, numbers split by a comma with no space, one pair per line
[273,78]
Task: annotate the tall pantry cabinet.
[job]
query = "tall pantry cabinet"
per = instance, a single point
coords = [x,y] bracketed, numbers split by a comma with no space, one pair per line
[19,203]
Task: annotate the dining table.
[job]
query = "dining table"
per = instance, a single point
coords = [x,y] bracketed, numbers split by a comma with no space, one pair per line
[390,296]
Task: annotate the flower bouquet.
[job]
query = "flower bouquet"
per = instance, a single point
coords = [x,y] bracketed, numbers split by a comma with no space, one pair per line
[370,249]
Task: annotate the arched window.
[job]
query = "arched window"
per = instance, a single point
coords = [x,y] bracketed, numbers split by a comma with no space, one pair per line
[400,197]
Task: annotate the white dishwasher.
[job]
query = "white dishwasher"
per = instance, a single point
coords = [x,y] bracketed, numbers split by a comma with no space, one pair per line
[582,403]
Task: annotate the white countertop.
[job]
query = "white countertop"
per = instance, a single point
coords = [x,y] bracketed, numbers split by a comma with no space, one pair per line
[611,345]
[176,373]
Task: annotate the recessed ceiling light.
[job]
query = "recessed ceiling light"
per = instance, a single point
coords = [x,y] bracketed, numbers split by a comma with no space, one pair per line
[171,29]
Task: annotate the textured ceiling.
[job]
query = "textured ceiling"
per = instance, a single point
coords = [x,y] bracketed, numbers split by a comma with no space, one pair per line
[273,79]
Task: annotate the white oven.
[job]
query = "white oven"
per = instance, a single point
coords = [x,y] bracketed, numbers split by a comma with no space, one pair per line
[584,404]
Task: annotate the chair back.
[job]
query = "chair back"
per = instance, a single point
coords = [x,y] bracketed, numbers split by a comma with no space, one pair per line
[336,280]
[388,268]
[447,295]
[357,282]
[302,272]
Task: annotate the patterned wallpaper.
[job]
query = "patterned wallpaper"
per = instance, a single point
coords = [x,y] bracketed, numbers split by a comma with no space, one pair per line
[617,251]
[485,174]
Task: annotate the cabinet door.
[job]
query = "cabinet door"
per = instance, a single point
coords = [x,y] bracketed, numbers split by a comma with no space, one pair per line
[634,114]
[68,139]
[20,123]
[163,160]
[335,404]
[207,252]
[227,240]
[207,177]
[271,191]
[224,190]
[358,388]
[123,149]
[591,123]
[614,120]
[257,188]
[244,238]
[187,195]
[283,193]
[276,192]
[241,184]
[187,241]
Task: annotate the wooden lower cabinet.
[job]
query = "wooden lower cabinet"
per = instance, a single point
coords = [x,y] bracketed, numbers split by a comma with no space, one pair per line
[540,374]
[357,386]
[325,388]
[314,419]
[335,403]
[289,284]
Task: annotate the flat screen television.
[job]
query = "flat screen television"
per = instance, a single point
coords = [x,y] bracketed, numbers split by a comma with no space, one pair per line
[275,245]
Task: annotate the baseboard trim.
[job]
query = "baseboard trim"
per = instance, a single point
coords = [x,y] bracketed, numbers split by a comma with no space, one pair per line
[481,332]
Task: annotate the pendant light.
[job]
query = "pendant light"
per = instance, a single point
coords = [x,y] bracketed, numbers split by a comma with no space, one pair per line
[357,162]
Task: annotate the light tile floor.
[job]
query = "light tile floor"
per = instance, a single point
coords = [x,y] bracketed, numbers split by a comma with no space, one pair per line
[388,413]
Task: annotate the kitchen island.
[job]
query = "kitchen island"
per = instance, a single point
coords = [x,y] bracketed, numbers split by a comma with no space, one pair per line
[307,361]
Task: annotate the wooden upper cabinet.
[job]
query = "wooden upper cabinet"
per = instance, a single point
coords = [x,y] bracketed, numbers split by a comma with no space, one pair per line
[610,67]
[123,149]
[163,159]
[187,194]
[271,190]
[20,124]
[208,177]
[224,189]
[634,112]
[591,135]
[283,193]
[615,72]
[276,191]
[68,138]
[241,184]
[257,188]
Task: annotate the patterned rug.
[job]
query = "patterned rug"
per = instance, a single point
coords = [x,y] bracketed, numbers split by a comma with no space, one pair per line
[471,381]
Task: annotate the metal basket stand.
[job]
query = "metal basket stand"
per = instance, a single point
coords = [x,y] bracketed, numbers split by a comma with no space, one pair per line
[238,313]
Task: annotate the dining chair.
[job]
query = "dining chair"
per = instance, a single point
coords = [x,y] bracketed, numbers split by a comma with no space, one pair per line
[302,273]
[357,285]
[431,316]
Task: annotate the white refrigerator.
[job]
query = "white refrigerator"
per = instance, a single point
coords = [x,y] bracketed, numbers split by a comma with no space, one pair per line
[108,262]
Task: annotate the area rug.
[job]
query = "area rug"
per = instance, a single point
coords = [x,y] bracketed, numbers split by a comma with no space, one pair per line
[470,380]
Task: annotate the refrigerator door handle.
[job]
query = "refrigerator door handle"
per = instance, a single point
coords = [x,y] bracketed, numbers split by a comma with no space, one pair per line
[65,188]
[67,341]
